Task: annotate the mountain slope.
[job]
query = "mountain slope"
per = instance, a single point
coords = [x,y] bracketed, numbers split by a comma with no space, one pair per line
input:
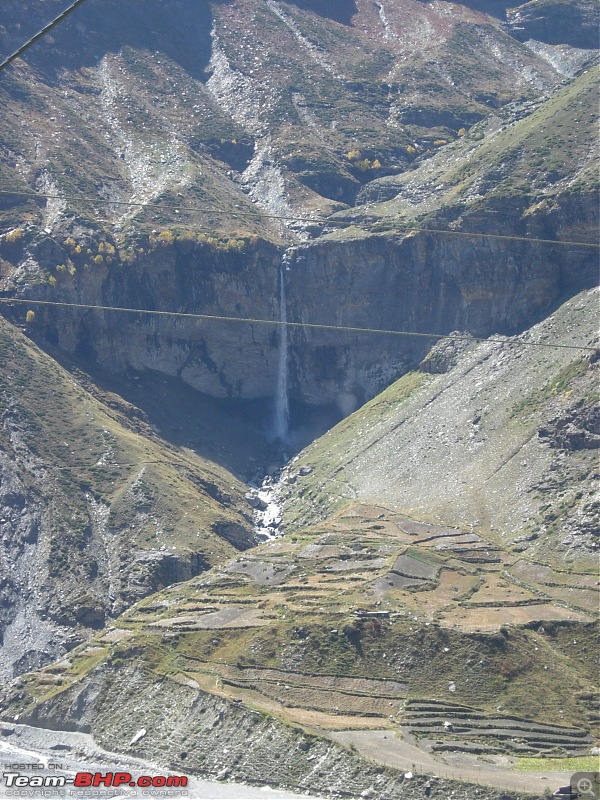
[408,166]
[96,510]
[166,103]
[431,588]
[503,442]
[525,160]
[256,126]
[238,109]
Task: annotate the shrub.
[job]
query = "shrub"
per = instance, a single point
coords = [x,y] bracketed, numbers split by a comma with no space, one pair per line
[352,155]
[14,235]
[410,150]
[52,280]
[98,259]
[30,316]
[166,237]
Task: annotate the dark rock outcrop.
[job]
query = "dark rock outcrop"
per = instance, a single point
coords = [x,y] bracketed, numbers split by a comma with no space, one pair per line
[556,22]
[576,428]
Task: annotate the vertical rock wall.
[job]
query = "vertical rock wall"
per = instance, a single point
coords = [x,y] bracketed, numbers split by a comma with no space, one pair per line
[424,283]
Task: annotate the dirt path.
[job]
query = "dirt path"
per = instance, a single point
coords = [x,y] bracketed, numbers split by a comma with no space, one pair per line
[383,746]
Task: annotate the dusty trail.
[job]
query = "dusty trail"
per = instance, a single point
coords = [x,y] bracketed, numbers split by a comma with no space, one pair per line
[384,747]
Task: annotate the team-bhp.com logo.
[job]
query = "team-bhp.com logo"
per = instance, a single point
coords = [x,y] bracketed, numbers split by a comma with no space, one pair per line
[96,780]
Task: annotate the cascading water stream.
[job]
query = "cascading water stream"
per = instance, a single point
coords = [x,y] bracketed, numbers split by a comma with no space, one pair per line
[265,499]
[282,411]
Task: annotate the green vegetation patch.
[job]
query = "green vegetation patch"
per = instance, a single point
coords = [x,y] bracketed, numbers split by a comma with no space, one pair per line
[582,764]
[560,383]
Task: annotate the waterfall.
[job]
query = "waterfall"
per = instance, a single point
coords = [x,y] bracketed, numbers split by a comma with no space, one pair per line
[282,411]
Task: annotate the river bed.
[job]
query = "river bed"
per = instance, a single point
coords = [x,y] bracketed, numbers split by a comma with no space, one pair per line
[28,751]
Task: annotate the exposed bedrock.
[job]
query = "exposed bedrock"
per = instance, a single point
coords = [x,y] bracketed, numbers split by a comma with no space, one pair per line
[424,283]
[556,22]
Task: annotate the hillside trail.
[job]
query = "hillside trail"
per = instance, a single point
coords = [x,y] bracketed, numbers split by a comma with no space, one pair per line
[383,746]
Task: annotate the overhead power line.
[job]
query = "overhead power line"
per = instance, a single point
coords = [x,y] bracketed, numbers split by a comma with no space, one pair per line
[280,323]
[39,34]
[259,215]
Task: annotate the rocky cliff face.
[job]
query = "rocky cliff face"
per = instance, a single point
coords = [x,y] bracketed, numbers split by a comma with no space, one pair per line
[219,359]
[219,153]
[420,283]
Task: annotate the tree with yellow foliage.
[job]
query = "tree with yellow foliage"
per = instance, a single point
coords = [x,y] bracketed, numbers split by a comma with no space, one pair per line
[13,236]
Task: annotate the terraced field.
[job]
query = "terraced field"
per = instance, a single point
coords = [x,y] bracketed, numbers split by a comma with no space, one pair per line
[375,620]
[403,567]
[444,727]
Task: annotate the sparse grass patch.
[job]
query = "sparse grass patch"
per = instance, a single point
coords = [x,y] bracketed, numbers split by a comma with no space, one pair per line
[561,382]
[582,764]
